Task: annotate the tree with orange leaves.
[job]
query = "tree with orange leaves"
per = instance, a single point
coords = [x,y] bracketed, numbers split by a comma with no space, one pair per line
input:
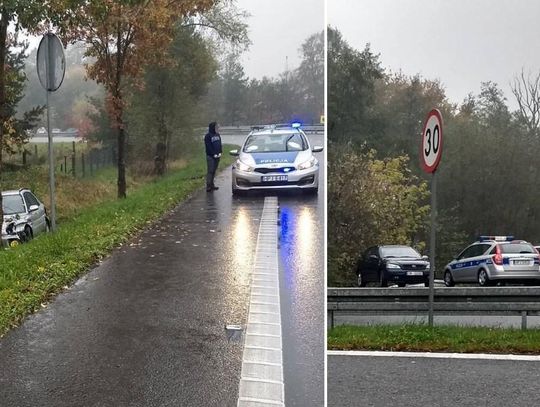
[123,38]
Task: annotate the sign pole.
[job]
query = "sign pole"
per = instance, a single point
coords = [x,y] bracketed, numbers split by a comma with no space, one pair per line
[51,68]
[432,243]
[51,167]
[430,156]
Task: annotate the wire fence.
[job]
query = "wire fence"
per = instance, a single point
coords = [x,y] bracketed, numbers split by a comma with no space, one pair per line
[76,159]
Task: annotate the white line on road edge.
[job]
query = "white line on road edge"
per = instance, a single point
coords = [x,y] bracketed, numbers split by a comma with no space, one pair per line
[261,380]
[435,355]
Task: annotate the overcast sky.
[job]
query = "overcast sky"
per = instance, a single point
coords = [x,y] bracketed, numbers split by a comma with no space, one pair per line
[460,42]
[277,29]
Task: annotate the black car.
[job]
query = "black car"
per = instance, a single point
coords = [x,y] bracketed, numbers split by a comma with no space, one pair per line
[392,264]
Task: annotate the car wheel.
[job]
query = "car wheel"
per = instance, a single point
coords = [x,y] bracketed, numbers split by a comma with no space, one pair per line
[448,279]
[483,278]
[14,243]
[382,279]
[237,192]
[360,281]
[47,225]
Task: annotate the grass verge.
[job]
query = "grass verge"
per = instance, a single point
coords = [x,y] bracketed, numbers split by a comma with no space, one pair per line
[422,338]
[32,273]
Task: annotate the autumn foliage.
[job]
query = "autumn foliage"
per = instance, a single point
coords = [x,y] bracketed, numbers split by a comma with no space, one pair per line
[123,39]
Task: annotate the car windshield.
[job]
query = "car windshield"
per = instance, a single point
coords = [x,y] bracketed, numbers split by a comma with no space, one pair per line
[12,204]
[513,248]
[275,143]
[400,251]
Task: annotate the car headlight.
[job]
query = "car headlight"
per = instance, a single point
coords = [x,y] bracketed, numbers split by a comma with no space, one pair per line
[307,164]
[428,266]
[393,266]
[243,166]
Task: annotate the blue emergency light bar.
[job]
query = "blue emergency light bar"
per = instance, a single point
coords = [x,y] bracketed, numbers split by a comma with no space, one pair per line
[496,238]
[296,125]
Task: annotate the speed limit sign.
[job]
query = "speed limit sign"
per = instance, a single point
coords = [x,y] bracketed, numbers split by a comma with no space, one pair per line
[432,141]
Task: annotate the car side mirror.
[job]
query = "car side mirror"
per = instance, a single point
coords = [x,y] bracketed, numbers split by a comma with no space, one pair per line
[373,257]
[424,257]
[234,153]
[317,149]
[33,208]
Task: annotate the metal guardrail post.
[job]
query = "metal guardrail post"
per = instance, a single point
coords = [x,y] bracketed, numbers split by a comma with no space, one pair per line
[523,320]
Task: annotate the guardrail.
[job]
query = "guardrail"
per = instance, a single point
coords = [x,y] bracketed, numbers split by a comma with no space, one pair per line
[498,301]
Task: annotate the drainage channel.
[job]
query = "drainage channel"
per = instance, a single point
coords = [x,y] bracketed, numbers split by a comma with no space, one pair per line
[261,380]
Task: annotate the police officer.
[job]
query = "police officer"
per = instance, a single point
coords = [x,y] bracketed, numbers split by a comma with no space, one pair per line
[212,142]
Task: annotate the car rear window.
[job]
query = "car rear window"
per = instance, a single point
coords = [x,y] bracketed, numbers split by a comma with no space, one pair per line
[517,248]
[12,204]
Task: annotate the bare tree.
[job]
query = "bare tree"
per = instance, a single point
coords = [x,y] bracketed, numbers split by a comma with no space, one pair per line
[526,89]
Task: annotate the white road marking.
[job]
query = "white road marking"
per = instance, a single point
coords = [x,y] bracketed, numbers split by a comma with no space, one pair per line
[261,380]
[435,355]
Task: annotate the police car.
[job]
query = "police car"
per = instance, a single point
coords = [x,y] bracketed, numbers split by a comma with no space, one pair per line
[276,157]
[494,259]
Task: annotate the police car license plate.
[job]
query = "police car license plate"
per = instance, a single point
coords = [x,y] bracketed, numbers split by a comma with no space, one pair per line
[274,178]
[522,262]
[414,273]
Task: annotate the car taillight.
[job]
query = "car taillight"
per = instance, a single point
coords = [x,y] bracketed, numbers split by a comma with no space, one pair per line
[497,257]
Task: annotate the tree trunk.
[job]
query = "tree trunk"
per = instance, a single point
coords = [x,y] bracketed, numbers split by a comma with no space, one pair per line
[3,44]
[120,114]
[159,160]
[121,162]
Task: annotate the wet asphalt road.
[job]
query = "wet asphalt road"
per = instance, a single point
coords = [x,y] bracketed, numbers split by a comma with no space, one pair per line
[302,299]
[146,327]
[411,382]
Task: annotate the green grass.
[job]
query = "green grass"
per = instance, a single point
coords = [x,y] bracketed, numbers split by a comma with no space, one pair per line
[414,337]
[33,273]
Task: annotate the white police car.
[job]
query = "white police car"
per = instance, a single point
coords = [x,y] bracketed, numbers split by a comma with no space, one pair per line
[494,259]
[276,157]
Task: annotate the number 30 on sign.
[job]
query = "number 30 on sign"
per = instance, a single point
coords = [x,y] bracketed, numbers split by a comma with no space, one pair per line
[432,141]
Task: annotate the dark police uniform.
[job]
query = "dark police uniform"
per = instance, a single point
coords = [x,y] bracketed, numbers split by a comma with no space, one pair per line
[212,142]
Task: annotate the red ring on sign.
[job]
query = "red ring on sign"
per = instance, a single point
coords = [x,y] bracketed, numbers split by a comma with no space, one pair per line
[431,168]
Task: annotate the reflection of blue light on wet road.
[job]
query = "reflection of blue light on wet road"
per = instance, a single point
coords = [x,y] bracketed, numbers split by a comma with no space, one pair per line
[284,219]
[297,240]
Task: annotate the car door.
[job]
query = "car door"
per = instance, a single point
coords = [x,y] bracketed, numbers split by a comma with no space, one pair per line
[37,216]
[41,213]
[475,259]
[372,264]
[472,262]
[461,266]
